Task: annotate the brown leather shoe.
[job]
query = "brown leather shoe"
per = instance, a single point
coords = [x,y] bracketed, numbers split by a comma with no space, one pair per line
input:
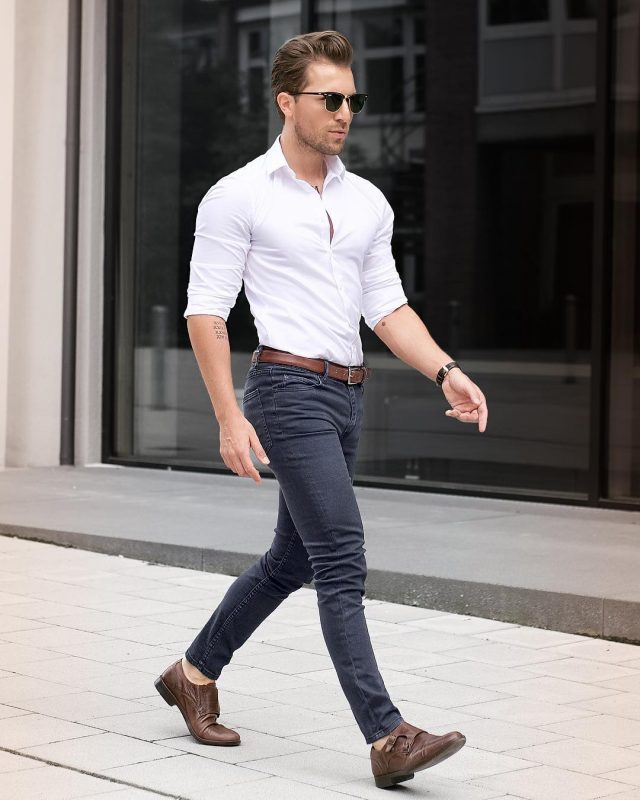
[198,705]
[409,749]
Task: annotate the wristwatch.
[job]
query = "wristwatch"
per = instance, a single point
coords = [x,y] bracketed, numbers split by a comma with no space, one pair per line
[443,371]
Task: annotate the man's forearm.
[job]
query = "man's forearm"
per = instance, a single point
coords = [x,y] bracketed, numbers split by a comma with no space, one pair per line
[406,335]
[210,343]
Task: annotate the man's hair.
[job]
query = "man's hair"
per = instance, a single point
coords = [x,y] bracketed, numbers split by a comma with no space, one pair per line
[288,73]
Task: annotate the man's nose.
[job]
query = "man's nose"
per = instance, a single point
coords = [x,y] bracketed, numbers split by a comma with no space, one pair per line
[344,112]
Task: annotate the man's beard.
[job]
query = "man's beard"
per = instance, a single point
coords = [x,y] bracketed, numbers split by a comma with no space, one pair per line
[316,143]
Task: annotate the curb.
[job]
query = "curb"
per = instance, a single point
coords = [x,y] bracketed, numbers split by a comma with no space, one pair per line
[584,615]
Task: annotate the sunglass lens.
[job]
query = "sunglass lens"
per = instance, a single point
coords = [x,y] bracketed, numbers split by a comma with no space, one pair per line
[357,102]
[333,100]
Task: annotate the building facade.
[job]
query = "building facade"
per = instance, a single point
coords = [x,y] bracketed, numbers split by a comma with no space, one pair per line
[505,135]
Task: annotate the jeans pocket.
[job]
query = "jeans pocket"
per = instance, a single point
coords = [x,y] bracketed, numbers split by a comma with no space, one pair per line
[294,379]
[254,412]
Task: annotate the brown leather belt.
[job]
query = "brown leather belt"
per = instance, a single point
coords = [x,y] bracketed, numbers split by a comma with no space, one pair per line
[348,374]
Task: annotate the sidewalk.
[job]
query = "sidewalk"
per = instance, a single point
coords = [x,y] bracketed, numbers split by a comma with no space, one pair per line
[547,715]
[565,568]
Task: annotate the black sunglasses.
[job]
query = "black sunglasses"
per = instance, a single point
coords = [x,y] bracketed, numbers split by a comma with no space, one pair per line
[333,100]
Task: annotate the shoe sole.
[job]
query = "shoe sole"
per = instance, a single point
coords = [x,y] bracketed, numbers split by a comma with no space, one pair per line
[168,697]
[391,778]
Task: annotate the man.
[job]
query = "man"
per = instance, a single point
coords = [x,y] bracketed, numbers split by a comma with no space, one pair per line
[312,243]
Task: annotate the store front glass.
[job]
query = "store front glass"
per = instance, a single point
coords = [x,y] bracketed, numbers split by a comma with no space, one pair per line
[624,397]
[479,130]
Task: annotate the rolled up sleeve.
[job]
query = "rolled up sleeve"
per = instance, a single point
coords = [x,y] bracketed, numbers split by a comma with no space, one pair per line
[382,290]
[222,241]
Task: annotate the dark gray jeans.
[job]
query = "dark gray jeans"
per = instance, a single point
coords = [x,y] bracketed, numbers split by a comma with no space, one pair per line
[309,425]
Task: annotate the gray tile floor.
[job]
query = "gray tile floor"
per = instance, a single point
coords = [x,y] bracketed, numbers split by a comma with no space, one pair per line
[82,635]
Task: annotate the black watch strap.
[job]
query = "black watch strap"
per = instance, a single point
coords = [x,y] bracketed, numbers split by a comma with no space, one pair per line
[443,371]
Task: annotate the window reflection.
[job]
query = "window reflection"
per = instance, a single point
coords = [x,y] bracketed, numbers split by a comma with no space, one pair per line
[479,129]
[624,396]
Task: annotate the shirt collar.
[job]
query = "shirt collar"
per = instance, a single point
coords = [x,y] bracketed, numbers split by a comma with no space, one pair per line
[276,160]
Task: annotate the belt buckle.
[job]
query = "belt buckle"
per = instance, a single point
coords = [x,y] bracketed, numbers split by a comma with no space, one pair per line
[349,381]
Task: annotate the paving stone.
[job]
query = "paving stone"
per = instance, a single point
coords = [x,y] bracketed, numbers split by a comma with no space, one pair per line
[599,650]
[426,784]
[80,706]
[459,624]
[531,637]
[128,793]
[319,697]
[581,669]
[185,775]
[53,637]
[473,673]
[11,623]
[258,681]
[590,758]
[626,775]
[470,764]
[600,728]
[14,655]
[444,694]
[628,683]
[149,725]
[9,762]
[283,720]
[402,659]
[526,711]
[11,711]
[551,783]
[273,788]
[254,745]
[326,768]
[69,669]
[29,730]
[499,736]
[394,612]
[20,687]
[431,641]
[53,783]
[153,633]
[557,690]
[101,751]
[504,655]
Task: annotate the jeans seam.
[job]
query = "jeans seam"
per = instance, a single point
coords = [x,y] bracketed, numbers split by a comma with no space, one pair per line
[353,666]
[331,533]
[248,597]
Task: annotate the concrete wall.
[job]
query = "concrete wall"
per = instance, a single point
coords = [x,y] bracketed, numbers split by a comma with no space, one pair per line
[7,77]
[34,339]
[91,233]
[33,97]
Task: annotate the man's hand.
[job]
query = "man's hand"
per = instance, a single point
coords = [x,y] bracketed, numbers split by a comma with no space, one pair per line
[237,436]
[467,401]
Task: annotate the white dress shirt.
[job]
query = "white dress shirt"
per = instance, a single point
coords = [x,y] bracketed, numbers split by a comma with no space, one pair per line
[306,293]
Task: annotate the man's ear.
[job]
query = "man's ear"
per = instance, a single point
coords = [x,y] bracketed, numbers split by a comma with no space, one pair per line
[285,102]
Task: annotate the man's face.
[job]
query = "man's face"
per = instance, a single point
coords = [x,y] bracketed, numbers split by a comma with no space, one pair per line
[314,126]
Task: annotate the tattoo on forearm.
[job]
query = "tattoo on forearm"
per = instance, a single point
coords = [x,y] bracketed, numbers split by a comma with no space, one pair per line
[220,329]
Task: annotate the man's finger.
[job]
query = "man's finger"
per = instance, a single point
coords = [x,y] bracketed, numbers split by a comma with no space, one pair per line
[257,448]
[484,417]
[249,469]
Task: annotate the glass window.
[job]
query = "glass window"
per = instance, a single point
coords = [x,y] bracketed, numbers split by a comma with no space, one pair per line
[624,395]
[493,196]
[385,77]
[382,30]
[581,9]
[195,106]
[510,12]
